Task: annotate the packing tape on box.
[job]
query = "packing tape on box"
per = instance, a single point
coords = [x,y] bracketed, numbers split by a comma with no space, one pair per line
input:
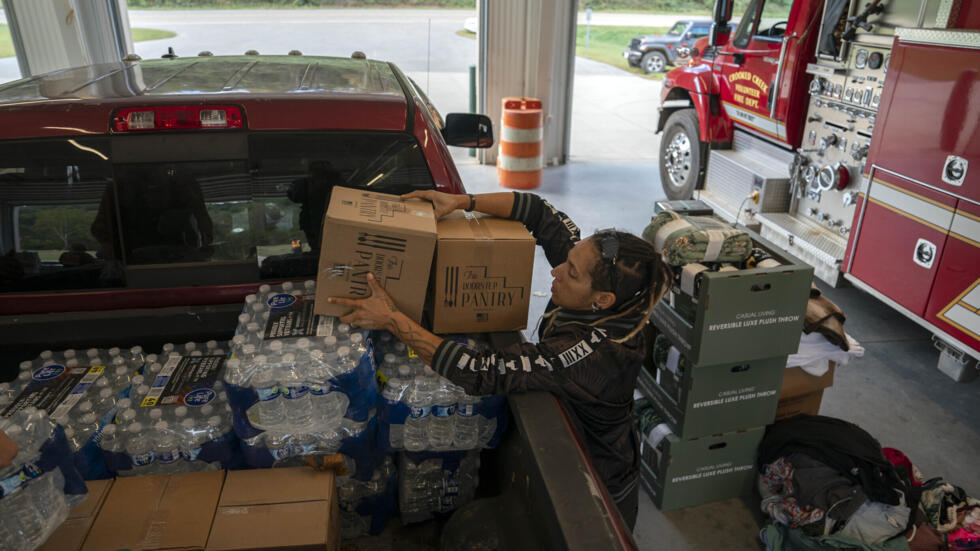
[477,228]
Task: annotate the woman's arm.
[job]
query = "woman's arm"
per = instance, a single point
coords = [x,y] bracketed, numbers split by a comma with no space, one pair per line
[494,204]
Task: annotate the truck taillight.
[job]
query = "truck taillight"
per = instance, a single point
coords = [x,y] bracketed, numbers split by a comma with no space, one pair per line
[177,117]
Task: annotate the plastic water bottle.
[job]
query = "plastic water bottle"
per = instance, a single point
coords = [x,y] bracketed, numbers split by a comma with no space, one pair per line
[139,448]
[166,449]
[393,394]
[272,410]
[441,419]
[194,438]
[467,432]
[419,401]
[299,409]
[85,427]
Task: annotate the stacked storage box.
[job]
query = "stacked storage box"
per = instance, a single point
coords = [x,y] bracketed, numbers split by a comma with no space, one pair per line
[714,373]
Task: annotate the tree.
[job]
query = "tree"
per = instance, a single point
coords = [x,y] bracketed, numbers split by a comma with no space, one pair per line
[59,228]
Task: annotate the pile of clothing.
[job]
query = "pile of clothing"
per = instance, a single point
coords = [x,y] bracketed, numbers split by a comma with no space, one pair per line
[828,485]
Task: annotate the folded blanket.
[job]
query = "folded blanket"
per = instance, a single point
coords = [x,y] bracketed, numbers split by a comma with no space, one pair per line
[689,239]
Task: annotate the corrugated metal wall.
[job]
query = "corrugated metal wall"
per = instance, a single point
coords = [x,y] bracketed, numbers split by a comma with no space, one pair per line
[527,49]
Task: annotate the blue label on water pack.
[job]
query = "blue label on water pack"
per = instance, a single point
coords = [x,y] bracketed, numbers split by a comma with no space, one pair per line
[190,455]
[466,410]
[294,392]
[199,397]
[282,300]
[269,393]
[48,372]
[419,412]
[31,470]
[160,381]
[280,453]
[12,483]
[444,411]
[168,456]
[141,459]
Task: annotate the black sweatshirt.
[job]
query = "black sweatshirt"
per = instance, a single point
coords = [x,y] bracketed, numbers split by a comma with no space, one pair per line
[579,363]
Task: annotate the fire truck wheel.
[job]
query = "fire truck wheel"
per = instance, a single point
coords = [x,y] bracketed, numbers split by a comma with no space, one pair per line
[681,155]
[653,62]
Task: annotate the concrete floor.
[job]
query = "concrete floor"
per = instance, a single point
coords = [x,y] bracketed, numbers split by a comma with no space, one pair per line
[894,392]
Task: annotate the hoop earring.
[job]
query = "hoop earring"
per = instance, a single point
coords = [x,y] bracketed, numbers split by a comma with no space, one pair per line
[595,307]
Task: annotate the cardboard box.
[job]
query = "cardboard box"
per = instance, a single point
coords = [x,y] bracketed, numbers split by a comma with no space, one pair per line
[741,315]
[159,512]
[681,473]
[378,233]
[482,279]
[714,399]
[277,509]
[802,392]
[72,533]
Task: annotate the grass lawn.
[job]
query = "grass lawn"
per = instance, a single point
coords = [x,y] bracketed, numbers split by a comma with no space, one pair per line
[139,35]
[606,45]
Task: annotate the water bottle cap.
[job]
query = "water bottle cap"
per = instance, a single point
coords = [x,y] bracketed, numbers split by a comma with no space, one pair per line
[303,343]
[250,299]
[125,403]
[136,350]
[118,360]
[343,328]
[69,432]
[102,382]
[151,358]
[259,360]
[287,285]
[156,414]
[400,347]
[309,284]
[404,371]
[264,288]
[92,352]
[249,349]
[169,347]
[143,389]
[85,406]
[161,426]
[114,351]
[234,363]
[357,338]
[24,375]
[390,358]
[105,393]
[108,430]
[289,358]
[88,418]
[243,318]
[238,340]
[330,341]
[71,363]
[128,415]
[187,424]
[206,410]
[190,346]
[156,367]
[121,370]
[258,307]
[70,353]
[214,421]
[138,380]
[275,346]
[26,364]
[211,345]
[135,427]
[46,355]
[343,351]
[180,411]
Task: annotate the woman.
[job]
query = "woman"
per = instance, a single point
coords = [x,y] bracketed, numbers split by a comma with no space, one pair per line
[591,344]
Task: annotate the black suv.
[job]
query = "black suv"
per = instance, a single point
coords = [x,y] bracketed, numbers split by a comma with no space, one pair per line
[653,52]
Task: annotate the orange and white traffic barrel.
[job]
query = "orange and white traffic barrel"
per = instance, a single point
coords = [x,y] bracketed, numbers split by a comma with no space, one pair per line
[519,158]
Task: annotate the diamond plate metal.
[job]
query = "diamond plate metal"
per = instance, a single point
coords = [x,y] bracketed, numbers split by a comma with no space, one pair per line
[940,37]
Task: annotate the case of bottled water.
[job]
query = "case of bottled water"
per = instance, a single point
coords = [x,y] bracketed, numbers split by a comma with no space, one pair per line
[80,390]
[176,417]
[431,484]
[365,505]
[40,484]
[422,411]
[299,383]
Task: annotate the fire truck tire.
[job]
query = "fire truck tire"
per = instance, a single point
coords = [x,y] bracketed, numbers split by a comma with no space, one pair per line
[681,155]
[653,62]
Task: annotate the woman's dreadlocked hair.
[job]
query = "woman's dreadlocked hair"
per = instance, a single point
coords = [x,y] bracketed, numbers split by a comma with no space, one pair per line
[641,277]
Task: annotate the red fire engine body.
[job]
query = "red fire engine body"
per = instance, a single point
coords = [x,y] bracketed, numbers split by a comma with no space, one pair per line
[857,124]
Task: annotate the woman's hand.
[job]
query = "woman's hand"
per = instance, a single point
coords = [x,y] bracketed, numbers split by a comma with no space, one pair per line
[443,203]
[375,312]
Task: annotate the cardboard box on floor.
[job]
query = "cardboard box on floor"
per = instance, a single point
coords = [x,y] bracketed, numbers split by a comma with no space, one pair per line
[159,512]
[277,509]
[482,276]
[72,533]
[366,232]
[802,392]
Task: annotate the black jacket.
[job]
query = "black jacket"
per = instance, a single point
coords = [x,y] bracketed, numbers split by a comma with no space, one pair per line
[579,363]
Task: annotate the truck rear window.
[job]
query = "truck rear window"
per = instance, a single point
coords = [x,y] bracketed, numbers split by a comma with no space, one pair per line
[183,209]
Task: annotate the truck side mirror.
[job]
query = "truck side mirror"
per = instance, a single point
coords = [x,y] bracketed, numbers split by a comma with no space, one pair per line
[468,130]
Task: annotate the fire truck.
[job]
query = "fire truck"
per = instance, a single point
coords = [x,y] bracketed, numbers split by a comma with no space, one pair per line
[845,133]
